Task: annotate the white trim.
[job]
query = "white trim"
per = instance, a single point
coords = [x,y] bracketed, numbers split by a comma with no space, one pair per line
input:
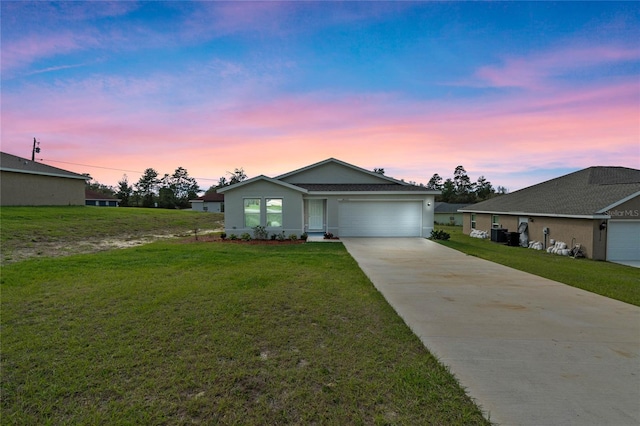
[391,200]
[347,193]
[351,166]
[617,203]
[264,178]
[30,172]
[570,216]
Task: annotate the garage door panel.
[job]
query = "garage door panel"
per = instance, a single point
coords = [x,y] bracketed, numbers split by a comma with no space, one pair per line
[623,240]
[380,219]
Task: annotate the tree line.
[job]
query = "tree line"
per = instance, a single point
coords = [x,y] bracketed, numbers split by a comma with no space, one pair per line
[460,188]
[172,191]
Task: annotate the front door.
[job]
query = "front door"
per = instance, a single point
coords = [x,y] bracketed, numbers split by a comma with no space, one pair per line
[316,215]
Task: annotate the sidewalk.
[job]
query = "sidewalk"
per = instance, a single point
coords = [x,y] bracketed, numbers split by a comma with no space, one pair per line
[530,351]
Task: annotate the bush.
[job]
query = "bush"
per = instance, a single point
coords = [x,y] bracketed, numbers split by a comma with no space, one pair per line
[328,235]
[304,236]
[245,237]
[223,235]
[260,232]
[233,237]
[281,236]
[439,234]
[293,237]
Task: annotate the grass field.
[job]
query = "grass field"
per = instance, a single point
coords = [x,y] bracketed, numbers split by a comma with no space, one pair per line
[183,331]
[54,231]
[618,282]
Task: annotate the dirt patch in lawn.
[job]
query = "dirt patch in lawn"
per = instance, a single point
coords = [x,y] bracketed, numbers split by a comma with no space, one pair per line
[17,252]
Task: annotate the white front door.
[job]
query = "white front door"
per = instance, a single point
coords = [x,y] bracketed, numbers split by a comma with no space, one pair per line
[316,215]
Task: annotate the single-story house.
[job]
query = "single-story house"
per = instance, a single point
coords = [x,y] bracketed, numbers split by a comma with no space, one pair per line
[28,183]
[212,203]
[333,197]
[597,207]
[93,198]
[448,214]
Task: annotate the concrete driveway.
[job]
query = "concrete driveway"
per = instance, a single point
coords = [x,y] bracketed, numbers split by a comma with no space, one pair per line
[530,351]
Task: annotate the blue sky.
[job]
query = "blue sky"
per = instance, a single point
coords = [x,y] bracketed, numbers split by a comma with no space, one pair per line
[518,92]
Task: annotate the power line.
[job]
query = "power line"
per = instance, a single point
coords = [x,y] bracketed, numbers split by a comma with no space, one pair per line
[108,168]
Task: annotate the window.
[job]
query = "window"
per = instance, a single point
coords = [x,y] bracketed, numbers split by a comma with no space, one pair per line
[495,221]
[473,221]
[274,211]
[251,212]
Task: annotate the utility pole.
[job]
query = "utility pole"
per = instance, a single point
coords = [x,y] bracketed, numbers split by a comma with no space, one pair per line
[36,148]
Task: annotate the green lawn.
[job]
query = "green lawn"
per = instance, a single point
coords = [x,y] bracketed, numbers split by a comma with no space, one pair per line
[46,231]
[608,279]
[179,332]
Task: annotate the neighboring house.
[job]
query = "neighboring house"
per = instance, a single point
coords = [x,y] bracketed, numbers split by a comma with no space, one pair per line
[448,214]
[28,183]
[597,207]
[330,197]
[212,203]
[93,198]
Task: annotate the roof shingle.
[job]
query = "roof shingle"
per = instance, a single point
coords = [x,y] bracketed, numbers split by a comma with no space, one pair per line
[583,193]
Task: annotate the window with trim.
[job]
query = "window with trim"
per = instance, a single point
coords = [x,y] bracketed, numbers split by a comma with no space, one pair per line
[251,212]
[495,221]
[473,221]
[274,211]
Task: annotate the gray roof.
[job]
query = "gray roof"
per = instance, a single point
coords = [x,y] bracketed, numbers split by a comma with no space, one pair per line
[361,187]
[441,207]
[13,163]
[587,192]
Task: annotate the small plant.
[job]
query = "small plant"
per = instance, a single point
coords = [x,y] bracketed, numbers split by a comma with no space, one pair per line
[260,232]
[233,237]
[223,235]
[328,235]
[273,237]
[304,236]
[439,234]
[281,236]
[293,237]
[245,236]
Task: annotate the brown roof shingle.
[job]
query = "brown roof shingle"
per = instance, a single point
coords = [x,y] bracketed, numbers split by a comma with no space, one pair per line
[583,193]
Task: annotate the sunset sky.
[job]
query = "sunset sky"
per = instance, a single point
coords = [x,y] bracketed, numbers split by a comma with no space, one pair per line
[518,92]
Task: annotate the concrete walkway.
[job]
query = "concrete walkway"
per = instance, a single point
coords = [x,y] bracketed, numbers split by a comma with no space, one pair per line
[530,351]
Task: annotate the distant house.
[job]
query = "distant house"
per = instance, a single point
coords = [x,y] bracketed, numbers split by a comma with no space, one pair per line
[28,183]
[597,207]
[448,214]
[93,198]
[212,203]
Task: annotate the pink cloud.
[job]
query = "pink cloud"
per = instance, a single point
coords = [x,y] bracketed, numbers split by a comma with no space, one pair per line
[124,124]
[534,71]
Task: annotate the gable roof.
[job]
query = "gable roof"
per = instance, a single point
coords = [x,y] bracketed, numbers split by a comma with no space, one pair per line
[585,193]
[364,181]
[94,195]
[260,178]
[210,197]
[15,164]
[442,207]
[378,176]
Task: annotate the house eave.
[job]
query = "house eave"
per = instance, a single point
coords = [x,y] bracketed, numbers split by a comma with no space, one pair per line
[30,172]
[515,213]
[347,193]
[617,203]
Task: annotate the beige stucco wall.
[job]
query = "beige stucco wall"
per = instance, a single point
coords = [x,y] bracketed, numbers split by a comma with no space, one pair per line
[22,189]
[585,232]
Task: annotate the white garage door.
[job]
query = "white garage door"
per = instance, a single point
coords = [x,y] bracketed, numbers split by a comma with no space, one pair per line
[380,219]
[623,240]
